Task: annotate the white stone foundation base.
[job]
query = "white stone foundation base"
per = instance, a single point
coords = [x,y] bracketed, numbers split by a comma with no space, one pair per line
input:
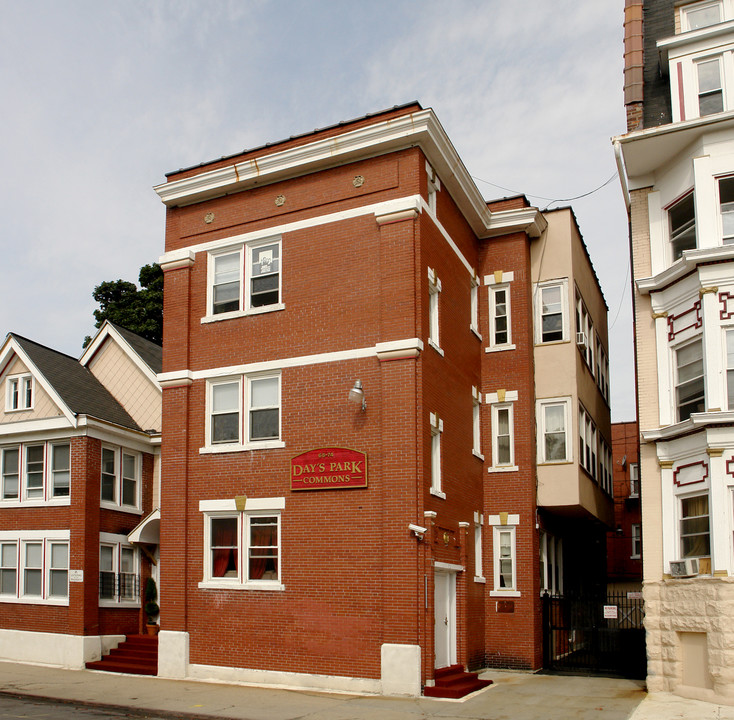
[401,669]
[173,654]
[56,649]
[690,638]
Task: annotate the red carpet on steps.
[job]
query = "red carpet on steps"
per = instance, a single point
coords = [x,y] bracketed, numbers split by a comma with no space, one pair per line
[453,682]
[137,655]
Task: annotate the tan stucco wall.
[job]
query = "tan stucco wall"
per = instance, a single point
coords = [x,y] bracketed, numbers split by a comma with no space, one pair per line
[127,383]
[43,405]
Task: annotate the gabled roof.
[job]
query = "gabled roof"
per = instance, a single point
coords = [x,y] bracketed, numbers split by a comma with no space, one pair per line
[73,383]
[150,353]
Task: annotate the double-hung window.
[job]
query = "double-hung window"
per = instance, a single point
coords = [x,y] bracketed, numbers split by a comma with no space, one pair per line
[245,279]
[700,15]
[478,552]
[60,469]
[477,422]
[682,219]
[695,534]
[504,555]
[634,480]
[689,385]
[636,541]
[19,393]
[553,444]
[34,469]
[434,291]
[436,476]
[726,203]
[242,547]
[119,580]
[120,478]
[244,412]
[710,90]
[503,446]
[551,320]
[10,473]
[500,326]
[730,368]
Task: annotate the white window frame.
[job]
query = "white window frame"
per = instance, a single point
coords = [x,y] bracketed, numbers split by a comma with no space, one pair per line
[683,229]
[689,496]
[119,453]
[477,423]
[538,310]
[721,90]
[474,305]
[46,539]
[434,186]
[726,209]
[634,480]
[244,250]
[117,543]
[499,527]
[676,370]
[636,536]
[541,407]
[20,393]
[478,550]
[436,471]
[434,313]
[254,507]
[493,317]
[507,407]
[685,11]
[245,407]
[551,564]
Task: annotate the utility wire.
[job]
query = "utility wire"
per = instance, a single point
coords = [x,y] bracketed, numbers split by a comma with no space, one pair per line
[549,200]
[624,292]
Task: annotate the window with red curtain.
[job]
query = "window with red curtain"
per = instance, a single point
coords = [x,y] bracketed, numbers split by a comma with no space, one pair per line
[224,547]
[263,551]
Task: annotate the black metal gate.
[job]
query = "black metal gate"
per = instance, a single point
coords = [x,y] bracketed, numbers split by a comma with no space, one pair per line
[600,635]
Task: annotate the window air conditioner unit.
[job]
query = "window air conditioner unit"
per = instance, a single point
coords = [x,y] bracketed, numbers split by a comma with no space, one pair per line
[684,568]
[581,339]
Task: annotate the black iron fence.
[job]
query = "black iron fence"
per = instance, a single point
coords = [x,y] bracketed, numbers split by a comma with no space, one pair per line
[596,634]
[118,586]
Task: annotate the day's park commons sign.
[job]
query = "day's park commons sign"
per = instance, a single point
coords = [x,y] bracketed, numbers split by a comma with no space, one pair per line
[329,468]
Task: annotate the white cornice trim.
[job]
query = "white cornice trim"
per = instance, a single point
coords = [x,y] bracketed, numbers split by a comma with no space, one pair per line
[421,129]
[696,421]
[688,263]
[528,220]
[405,348]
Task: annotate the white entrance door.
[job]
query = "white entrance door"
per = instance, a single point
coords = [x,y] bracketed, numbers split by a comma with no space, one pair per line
[444,602]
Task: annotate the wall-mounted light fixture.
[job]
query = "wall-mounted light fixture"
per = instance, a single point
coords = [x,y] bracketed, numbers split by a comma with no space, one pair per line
[356,394]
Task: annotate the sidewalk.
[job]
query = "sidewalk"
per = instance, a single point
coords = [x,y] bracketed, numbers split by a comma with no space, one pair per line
[516,696]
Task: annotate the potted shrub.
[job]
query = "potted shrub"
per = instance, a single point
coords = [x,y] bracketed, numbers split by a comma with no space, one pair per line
[151,608]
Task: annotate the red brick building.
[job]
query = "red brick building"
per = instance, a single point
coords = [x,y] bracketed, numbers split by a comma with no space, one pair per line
[357,351]
[79,448]
[624,542]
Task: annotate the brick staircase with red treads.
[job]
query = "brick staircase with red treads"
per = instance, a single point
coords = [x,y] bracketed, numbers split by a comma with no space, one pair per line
[454,682]
[137,655]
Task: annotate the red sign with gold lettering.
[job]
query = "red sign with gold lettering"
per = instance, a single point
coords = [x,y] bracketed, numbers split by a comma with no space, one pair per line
[329,469]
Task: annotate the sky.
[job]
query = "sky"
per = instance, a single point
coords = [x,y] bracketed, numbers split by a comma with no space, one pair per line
[103,97]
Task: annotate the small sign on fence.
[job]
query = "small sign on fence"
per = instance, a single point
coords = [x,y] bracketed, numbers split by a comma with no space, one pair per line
[610,612]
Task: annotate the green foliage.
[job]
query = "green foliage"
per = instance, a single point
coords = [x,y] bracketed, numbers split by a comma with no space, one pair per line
[139,310]
[151,610]
[151,591]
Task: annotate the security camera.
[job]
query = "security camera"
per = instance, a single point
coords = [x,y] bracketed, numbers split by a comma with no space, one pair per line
[418,530]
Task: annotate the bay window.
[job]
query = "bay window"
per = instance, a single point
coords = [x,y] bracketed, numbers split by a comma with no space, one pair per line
[34,566]
[710,91]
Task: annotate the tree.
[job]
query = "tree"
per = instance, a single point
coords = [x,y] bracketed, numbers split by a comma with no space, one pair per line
[139,310]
